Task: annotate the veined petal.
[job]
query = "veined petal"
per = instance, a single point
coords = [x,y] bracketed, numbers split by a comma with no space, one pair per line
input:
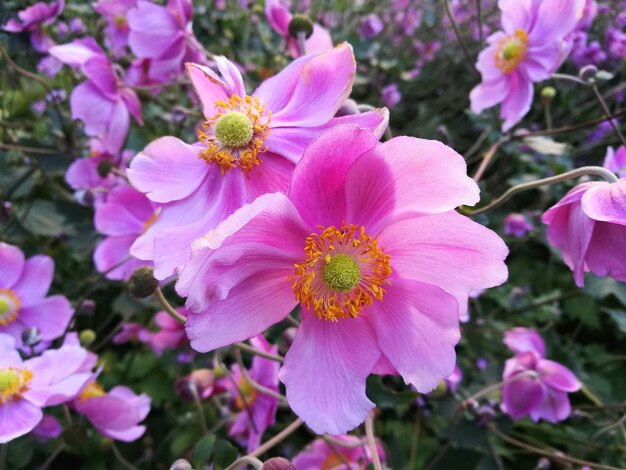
[18,418]
[35,280]
[606,202]
[557,376]
[12,262]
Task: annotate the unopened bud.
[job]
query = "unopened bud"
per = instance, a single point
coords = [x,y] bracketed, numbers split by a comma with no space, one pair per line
[142,282]
[588,73]
[86,337]
[104,168]
[31,336]
[348,108]
[547,95]
[300,24]
[278,463]
[87,307]
[543,464]
[181,464]
[200,381]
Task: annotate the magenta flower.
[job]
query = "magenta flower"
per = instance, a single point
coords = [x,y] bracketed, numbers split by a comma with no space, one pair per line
[520,340]
[542,392]
[131,331]
[34,20]
[26,387]
[371,26]
[256,411]
[117,30]
[24,285]
[123,217]
[517,225]
[164,35]
[103,103]
[48,428]
[615,161]
[320,455]
[589,227]
[529,49]
[279,17]
[170,335]
[368,243]
[115,414]
[248,147]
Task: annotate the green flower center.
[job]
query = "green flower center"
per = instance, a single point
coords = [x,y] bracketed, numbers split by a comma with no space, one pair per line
[8,380]
[513,50]
[342,273]
[4,306]
[234,129]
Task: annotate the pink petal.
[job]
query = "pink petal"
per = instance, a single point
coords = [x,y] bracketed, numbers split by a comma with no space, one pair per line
[111,252]
[521,396]
[167,170]
[117,129]
[278,16]
[35,280]
[557,376]
[517,102]
[554,20]
[209,87]
[516,14]
[606,202]
[318,182]
[520,340]
[273,176]
[231,76]
[51,316]
[405,177]
[417,327]
[446,250]
[542,61]
[93,108]
[131,100]
[486,63]
[152,29]
[604,256]
[78,52]
[488,94]
[18,418]
[325,370]
[100,72]
[553,407]
[12,262]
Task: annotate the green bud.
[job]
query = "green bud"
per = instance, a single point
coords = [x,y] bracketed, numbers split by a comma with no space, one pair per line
[300,24]
[142,283]
[104,168]
[87,337]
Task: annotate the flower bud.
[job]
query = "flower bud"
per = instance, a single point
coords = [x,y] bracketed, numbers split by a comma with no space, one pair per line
[278,463]
[547,95]
[104,168]
[31,336]
[142,282]
[202,380]
[181,464]
[300,24]
[87,307]
[86,337]
[588,73]
[348,108]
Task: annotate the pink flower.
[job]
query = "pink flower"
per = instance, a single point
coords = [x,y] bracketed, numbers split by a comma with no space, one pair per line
[615,161]
[48,428]
[115,414]
[391,96]
[279,17]
[171,333]
[368,243]
[522,339]
[589,227]
[103,103]
[540,395]
[123,217]
[454,379]
[248,147]
[164,35]
[320,455]
[256,411]
[34,20]
[131,331]
[371,26]
[529,49]
[116,32]
[26,387]
[517,225]
[24,285]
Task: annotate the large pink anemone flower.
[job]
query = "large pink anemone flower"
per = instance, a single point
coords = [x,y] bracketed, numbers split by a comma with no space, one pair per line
[368,243]
[530,47]
[248,146]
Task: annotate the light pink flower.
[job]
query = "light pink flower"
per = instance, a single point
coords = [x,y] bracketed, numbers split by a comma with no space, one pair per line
[522,339]
[589,227]
[368,243]
[200,185]
[530,47]
[320,455]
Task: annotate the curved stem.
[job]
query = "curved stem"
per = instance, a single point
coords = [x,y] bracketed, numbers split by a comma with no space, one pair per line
[246,460]
[371,441]
[253,383]
[488,157]
[582,171]
[570,78]
[607,113]
[459,38]
[158,293]
[258,352]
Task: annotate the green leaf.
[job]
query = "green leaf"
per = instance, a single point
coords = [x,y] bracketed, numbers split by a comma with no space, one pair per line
[618,316]
[599,288]
[225,454]
[43,218]
[203,450]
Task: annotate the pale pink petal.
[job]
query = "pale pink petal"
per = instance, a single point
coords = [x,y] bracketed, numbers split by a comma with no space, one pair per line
[488,94]
[517,102]
[486,63]
[606,202]
[278,16]
[35,280]
[152,29]
[100,72]
[554,20]
[325,370]
[231,76]
[521,340]
[18,418]
[117,130]
[553,407]
[516,14]
[78,52]
[12,262]
[51,316]
[273,176]
[131,100]
[90,106]
[604,256]
[113,251]
[557,376]
[521,396]
[542,61]
[209,87]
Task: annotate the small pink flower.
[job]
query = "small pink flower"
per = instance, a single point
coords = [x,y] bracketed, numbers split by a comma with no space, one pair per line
[522,339]
[589,227]
[131,331]
[530,48]
[34,20]
[454,379]
[368,243]
[517,225]
[117,30]
[321,455]
[171,333]
[24,285]
[615,161]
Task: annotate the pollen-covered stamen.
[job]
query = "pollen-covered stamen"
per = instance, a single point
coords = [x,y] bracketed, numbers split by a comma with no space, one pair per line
[13,383]
[236,135]
[93,390]
[344,271]
[246,395]
[9,306]
[511,51]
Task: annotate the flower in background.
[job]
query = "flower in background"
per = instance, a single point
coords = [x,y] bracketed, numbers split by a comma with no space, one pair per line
[368,243]
[589,227]
[279,17]
[391,96]
[530,48]
[115,414]
[24,285]
[454,379]
[48,428]
[322,455]
[256,411]
[35,20]
[541,392]
[371,26]
[131,331]
[615,161]
[102,102]
[54,377]
[117,30]
[164,35]
[123,217]
[171,333]
[248,146]
[517,225]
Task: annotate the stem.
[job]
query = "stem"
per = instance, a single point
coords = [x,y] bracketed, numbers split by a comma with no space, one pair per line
[582,171]
[572,127]
[371,441]
[571,78]
[416,430]
[120,458]
[488,157]
[37,150]
[548,114]
[258,352]
[339,443]
[607,113]
[50,459]
[158,293]
[198,403]
[560,457]
[302,43]
[4,448]
[459,38]
[246,460]
[254,383]
[479,17]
